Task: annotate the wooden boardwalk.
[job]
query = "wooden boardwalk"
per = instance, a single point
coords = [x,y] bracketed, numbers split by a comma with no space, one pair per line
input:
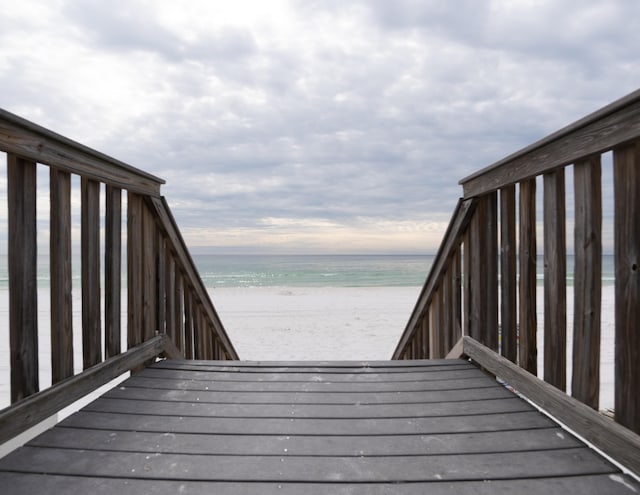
[405,427]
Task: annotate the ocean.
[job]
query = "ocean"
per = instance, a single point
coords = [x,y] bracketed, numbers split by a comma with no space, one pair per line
[218,271]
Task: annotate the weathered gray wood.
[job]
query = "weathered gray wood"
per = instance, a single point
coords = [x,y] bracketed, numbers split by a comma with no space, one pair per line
[490,272]
[161,283]
[601,131]
[179,312]
[30,411]
[322,469]
[322,376]
[154,391]
[476,254]
[300,426]
[287,446]
[466,282]
[617,441]
[527,300]
[41,145]
[587,282]
[319,387]
[163,215]
[307,411]
[457,226]
[188,323]
[316,366]
[456,296]
[134,269]
[555,285]
[60,273]
[90,258]
[149,274]
[508,274]
[112,271]
[627,260]
[75,485]
[23,290]
[170,294]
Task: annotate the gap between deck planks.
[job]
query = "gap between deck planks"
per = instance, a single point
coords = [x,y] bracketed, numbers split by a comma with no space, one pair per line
[344,427]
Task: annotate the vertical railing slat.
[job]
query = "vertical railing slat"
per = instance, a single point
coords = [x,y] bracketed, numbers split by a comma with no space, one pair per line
[489,262]
[475,273]
[456,292]
[60,265]
[555,285]
[188,322]
[90,258]
[466,282]
[161,283]
[23,290]
[149,274]
[627,285]
[112,271]
[508,274]
[134,269]
[528,318]
[179,312]
[171,299]
[587,281]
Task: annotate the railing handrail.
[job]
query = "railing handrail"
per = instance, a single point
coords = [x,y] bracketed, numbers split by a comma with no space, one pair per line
[34,142]
[598,132]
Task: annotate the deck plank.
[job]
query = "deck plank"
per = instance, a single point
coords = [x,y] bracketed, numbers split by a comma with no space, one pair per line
[440,427]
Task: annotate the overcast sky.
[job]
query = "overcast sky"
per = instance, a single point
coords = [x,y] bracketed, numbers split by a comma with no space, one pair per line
[314,126]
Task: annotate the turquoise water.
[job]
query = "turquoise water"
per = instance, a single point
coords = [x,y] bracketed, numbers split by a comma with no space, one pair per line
[309,270]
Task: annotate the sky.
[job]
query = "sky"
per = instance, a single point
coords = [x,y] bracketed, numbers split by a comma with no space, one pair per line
[309,126]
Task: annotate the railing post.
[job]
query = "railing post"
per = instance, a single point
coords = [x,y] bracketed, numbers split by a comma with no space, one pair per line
[112,271]
[90,239]
[60,265]
[528,317]
[474,289]
[23,289]
[627,288]
[508,275]
[555,285]
[489,262]
[587,286]
[149,276]
[134,269]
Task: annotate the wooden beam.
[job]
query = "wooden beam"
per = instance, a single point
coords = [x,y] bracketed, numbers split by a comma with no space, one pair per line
[90,256]
[508,274]
[60,269]
[41,145]
[555,284]
[613,439]
[134,269]
[601,131]
[23,288]
[112,271]
[627,285]
[587,282]
[490,273]
[528,317]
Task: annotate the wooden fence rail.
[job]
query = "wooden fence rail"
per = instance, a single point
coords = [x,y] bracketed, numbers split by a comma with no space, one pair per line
[490,295]
[165,293]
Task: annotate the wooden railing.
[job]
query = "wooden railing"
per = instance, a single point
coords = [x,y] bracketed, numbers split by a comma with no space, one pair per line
[483,281]
[165,293]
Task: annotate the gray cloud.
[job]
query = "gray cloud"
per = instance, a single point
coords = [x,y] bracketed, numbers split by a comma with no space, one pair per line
[346,116]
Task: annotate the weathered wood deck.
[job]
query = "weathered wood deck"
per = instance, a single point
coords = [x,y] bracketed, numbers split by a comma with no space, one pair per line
[407,427]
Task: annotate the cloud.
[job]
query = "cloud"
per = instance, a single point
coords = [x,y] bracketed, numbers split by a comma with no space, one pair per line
[318,113]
